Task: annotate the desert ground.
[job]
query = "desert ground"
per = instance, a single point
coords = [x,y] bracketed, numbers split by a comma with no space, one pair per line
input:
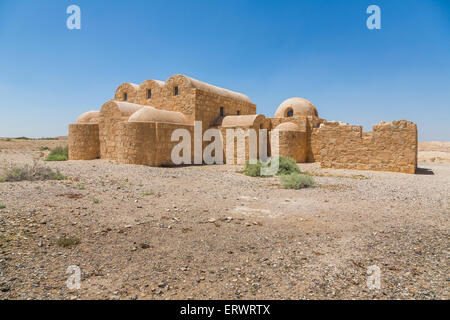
[210,232]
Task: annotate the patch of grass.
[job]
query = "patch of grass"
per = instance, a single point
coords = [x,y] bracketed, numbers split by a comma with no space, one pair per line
[58,154]
[96,201]
[81,187]
[35,172]
[148,193]
[335,187]
[296,181]
[2,206]
[67,242]
[318,174]
[43,148]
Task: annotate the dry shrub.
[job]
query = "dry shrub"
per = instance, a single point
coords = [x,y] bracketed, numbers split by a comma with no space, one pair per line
[34,172]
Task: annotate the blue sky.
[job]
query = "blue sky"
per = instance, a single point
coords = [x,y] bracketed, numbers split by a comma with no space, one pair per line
[269,50]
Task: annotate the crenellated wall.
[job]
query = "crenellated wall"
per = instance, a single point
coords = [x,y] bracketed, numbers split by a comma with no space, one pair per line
[389,147]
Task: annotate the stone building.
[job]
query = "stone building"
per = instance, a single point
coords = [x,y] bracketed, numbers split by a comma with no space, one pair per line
[136,128]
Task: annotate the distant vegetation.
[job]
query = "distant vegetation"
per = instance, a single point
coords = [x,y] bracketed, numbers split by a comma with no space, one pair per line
[58,154]
[26,138]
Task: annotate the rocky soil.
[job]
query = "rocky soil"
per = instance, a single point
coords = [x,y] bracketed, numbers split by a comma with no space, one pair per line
[213,233]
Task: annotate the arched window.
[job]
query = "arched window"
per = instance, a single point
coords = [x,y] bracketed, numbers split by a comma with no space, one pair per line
[125,96]
[290,113]
[175,91]
[149,93]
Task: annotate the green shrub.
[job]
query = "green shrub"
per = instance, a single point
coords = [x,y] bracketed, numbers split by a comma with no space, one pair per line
[33,172]
[58,154]
[2,206]
[287,166]
[253,170]
[296,181]
[43,148]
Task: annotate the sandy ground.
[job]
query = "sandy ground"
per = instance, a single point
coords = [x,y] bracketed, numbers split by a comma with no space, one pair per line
[213,233]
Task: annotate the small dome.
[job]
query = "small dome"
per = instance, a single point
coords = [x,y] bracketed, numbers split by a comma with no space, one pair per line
[151,114]
[89,117]
[296,107]
[243,120]
[287,126]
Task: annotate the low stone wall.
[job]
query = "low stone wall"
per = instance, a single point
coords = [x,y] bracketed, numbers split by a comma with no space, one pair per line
[148,143]
[84,143]
[390,147]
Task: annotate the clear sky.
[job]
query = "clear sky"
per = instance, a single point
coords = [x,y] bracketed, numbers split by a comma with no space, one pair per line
[269,50]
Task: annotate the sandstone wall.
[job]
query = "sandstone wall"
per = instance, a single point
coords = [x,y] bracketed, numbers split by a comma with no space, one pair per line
[241,145]
[207,107]
[293,144]
[84,143]
[137,143]
[314,145]
[148,143]
[390,147]
[111,114]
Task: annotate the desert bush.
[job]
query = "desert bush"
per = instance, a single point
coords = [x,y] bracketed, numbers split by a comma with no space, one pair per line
[253,170]
[34,172]
[67,242]
[287,166]
[2,206]
[43,148]
[296,181]
[58,154]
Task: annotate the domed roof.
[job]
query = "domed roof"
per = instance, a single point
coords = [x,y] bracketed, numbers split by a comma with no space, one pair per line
[180,79]
[299,107]
[89,117]
[242,120]
[287,126]
[151,114]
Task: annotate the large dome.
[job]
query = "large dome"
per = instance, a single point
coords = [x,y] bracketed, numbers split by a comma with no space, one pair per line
[296,107]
